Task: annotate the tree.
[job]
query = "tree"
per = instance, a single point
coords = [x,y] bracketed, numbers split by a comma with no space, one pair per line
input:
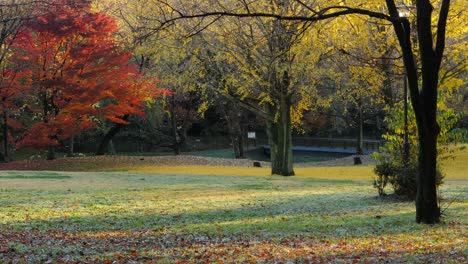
[424,98]
[361,67]
[12,87]
[79,73]
[176,67]
[423,87]
[215,72]
[392,165]
[263,65]
[169,58]
[12,15]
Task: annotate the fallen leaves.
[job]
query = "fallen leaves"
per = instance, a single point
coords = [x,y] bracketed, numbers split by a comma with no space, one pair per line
[116,217]
[144,246]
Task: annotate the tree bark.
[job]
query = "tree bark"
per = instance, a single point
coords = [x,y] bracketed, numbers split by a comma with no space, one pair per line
[111,148]
[280,139]
[5,154]
[71,146]
[237,145]
[427,208]
[51,155]
[175,134]
[240,143]
[235,132]
[359,146]
[104,145]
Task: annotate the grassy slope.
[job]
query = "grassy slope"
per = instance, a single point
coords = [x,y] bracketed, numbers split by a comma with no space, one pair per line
[322,215]
[457,168]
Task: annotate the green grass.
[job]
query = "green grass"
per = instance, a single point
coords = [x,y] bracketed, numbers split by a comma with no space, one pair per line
[37,175]
[205,214]
[94,217]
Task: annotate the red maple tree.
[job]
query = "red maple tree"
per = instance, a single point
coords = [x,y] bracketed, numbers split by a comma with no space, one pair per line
[79,73]
[12,87]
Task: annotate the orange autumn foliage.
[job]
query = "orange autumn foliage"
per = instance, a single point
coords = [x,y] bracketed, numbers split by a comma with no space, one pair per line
[79,73]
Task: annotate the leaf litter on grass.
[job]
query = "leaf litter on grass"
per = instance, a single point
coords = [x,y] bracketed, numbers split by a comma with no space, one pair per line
[99,217]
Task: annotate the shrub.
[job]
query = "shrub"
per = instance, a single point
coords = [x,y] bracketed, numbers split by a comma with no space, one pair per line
[391,168]
[402,178]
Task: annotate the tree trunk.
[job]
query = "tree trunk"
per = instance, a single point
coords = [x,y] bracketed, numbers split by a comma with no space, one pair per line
[241,145]
[359,146]
[233,121]
[427,208]
[5,154]
[280,139]
[71,146]
[176,147]
[51,153]
[237,145]
[424,101]
[104,146]
[237,139]
[175,134]
[111,148]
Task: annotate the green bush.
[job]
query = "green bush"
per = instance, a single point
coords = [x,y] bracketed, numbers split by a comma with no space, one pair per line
[391,168]
[459,135]
[403,179]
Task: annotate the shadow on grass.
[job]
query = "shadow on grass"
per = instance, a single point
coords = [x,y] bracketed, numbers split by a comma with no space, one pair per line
[321,214]
[306,227]
[323,241]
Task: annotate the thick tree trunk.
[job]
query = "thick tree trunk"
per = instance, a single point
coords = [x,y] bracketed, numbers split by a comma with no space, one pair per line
[280,139]
[104,145]
[427,208]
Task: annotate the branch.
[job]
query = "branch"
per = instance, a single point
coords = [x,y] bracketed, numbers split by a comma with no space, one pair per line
[442,28]
[402,29]
[326,13]
[243,104]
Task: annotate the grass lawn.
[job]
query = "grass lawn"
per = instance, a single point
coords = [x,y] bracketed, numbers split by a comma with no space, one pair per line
[223,215]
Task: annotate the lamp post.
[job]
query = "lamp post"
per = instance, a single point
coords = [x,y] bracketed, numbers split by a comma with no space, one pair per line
[404,11]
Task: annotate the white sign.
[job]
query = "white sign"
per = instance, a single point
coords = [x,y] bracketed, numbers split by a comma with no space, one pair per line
[250,134]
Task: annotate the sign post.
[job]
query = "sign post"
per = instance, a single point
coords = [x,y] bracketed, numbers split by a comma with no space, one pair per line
[253,136]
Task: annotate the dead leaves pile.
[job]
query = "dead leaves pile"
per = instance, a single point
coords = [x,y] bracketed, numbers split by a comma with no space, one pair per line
[152,247]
